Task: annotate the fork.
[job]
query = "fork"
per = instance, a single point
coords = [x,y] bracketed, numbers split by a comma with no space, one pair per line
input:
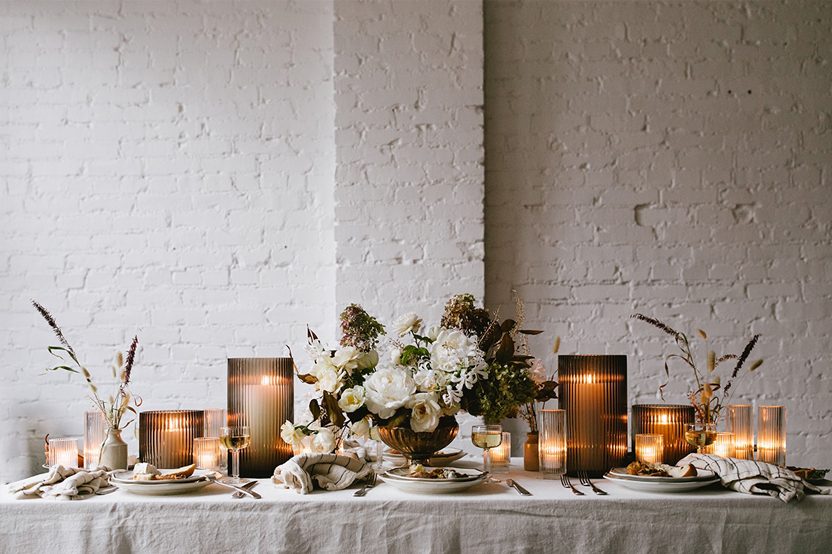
[248,486]
[564,480]
[584,477]
[370,483]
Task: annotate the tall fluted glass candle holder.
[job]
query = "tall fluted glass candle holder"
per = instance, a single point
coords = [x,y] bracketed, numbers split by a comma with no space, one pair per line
[771,435]
[214,419]
[649,448]
[593,391]
[95,431]
[261,396]
[166,437]
[723,445]
[552,446]
[667,420]
[739,423]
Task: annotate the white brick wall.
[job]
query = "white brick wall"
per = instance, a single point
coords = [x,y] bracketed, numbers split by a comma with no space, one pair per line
[671,158]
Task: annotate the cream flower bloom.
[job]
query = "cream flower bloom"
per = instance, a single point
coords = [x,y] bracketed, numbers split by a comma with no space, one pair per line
[324,441]
[425,412]
[387,389]
[290,435]
[361,428]
[351,399]
[407,323]
[327,380]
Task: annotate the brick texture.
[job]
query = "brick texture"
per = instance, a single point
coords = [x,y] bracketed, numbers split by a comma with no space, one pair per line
[671,158]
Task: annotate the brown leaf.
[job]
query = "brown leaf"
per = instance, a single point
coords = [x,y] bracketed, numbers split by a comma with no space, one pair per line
[507,325]
[336,416]
[307,378]
[314,409]
[702,333]
[530,331]
[506,350]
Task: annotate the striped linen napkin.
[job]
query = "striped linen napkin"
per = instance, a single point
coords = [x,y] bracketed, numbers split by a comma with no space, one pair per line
[63,483]
[752,477]
[331,472]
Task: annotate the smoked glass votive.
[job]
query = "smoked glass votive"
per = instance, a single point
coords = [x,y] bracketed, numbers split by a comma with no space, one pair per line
[739,423]
[667,420]
[95,431]
[63,451]
[552,443]
[501,455]
[166,438]
[723,445]
[207,453]
[649,448]
[771,435]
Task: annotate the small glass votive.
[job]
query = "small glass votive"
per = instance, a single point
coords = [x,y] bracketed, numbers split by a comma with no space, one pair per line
[95,432]
[739,423]
[207,453]
[552,443]
[771,435]
[723,445]
[501,455]
[63,451]
[214,419]
[649,448]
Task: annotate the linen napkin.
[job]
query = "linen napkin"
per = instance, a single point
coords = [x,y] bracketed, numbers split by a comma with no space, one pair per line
[331,472]
[752,477]
[62,483]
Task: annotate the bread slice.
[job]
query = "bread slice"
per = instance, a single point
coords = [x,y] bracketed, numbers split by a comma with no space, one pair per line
[683,471]
[179,473]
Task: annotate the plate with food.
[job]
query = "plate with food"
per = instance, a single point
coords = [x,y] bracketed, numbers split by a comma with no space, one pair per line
[147,474]
[433,480]
[661,477]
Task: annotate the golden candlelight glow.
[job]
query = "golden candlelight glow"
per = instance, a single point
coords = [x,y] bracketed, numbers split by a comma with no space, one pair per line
[667,420]
[552,443]
[771,435]
[207,452]
[649,448]
[166,437]
[723,445]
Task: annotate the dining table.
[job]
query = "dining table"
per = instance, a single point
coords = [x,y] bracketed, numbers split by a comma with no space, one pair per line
[490,517]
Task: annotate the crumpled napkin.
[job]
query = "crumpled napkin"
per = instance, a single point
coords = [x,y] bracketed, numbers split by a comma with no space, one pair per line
[332,472]
[62,483]
[752,477]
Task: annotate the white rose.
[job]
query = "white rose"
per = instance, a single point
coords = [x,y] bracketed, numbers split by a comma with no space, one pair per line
[328,380]
[428,380]
[453,350]
[351,399]
[407,323]
[426,412]
[346,358]
[361,428]
[387,390]
[433,331]
[396,356]
[367,360]
[324,442]
[290,435]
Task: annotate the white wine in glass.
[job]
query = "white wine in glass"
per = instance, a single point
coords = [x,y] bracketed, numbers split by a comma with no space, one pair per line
[235,439]
[487,437]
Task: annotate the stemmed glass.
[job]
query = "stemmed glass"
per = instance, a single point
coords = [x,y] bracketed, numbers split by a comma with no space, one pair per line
[235,439]
[487,437]
[700,435]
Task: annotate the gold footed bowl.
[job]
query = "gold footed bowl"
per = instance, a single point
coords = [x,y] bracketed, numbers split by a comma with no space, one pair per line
[419,447]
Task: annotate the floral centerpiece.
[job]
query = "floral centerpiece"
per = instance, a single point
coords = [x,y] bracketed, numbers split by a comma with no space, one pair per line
[409,385]
[114,450]
[710,395]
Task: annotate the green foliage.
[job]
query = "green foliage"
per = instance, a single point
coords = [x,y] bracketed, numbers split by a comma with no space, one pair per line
[411,354]
[508,386]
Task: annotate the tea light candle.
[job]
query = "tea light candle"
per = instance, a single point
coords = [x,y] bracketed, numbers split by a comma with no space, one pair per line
[649,448]
[63,452]
[501,455]
[207,452]
[739,423]
[552,443]
[723,445]
[771,435]
[667,420]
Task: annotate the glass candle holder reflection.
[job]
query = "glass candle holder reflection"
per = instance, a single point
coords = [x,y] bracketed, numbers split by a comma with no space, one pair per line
[739,423]
[667,420]
[552,443]
[771,435]
[207,453]
[501,455]
[723,445]
[166,437]
[649,448]
[62,451]
[95,431]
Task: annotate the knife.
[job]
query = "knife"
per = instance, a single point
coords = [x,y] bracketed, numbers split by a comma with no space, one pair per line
[518,488]
[235,487]
[248,486]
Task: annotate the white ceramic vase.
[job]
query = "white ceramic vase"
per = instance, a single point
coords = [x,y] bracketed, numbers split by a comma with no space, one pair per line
[114,450]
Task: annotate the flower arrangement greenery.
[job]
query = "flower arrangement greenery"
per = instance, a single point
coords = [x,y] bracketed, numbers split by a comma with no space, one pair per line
[709,397]
[416,375]
[116,405]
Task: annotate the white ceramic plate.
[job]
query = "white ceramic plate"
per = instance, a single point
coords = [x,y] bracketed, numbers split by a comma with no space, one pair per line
[435,486]
[440,459]
[162,488]
[701,475]
[123,477]
[663,484]
[466,475]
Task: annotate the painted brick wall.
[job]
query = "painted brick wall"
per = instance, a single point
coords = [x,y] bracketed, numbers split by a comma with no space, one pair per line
[166,170]
[672,158]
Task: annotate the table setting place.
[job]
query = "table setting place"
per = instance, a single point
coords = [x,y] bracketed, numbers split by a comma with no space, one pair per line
[382,423]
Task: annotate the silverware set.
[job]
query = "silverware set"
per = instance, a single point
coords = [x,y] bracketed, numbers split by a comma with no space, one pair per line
[585,481]
[370,483]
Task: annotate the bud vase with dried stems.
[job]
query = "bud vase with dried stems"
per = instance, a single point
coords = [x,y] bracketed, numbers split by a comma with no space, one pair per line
[531,456]
[113,451]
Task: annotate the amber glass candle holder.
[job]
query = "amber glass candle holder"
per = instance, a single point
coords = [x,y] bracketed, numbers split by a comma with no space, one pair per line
[166,437]
[667,420]
[740,423]
[723,445]
[771,435]
[649,448]
[552,447]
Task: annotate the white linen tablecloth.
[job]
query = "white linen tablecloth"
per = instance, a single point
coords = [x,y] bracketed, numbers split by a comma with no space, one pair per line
[488,518]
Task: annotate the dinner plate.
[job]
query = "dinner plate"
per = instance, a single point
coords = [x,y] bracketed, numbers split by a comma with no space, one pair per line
[663,484]
[440,459]
[434,486]
[401,473]
[127,477]
[162,488]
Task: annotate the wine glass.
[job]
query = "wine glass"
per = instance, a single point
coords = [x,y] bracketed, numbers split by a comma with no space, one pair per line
[487,437]
[235,439]
[700,435]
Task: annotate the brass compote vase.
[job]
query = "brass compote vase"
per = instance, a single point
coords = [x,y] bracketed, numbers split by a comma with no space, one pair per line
[419,447]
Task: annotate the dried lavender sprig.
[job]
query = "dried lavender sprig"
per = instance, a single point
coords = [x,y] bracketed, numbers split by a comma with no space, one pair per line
[744,356]
[658,324]
[53,324]
[131,356]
